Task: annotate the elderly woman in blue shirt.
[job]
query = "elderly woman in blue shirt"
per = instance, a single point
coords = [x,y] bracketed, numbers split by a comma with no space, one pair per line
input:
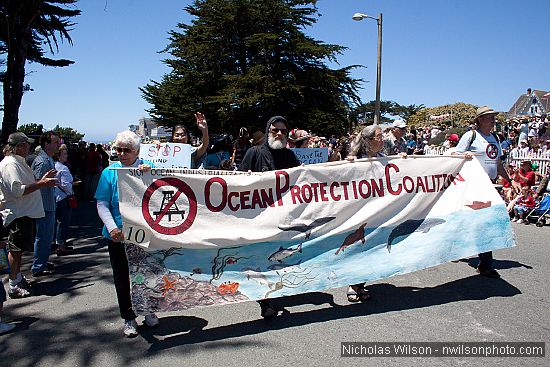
[126,145]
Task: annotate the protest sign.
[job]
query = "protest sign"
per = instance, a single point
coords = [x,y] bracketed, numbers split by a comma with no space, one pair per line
[311,155]
[167,155]
[198,238]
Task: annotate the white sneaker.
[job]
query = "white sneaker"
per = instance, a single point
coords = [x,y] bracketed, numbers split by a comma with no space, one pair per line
[151,320]
[19,292]
[520,221]
[4,328]
[514,220]
[130,328]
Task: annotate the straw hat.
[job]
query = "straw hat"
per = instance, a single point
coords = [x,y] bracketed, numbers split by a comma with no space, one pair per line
[484,110]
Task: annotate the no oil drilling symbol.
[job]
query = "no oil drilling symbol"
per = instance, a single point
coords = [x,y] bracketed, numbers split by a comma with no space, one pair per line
[175,214]
[492,151]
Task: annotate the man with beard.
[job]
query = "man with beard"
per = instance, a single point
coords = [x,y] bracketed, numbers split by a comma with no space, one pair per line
[271,155]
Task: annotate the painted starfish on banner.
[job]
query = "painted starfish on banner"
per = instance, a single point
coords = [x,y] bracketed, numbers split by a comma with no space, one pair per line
[168,284]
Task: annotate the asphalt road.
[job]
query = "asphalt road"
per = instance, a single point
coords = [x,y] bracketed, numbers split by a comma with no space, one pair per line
[73,320]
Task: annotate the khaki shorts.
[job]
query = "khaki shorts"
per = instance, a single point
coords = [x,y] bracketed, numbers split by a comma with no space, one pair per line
[21,234]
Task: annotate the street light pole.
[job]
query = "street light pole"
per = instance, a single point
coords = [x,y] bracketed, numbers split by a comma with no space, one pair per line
[378,72]
[358,17]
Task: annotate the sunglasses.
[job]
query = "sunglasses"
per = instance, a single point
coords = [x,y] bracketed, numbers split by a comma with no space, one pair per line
[275,130]
[121,150]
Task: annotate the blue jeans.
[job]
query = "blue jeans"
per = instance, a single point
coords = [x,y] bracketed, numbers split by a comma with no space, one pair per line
[63,220]
[43,241]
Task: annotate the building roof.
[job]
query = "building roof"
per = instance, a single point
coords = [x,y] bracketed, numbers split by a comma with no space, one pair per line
[523,104]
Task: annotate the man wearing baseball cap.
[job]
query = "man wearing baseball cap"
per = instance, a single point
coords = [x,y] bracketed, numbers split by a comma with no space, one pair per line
[452,140]
[394,142]
[484,145]
[20,205]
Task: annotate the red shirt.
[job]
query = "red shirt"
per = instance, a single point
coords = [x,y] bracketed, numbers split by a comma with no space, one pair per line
[530,175]
[527,202]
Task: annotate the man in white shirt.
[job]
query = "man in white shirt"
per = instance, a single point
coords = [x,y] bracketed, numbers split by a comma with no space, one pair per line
[20,205]
[484,145]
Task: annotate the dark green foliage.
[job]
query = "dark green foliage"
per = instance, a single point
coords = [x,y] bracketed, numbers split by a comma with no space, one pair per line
[68,134]
[242,61]
[29,29]
[365,111]
[32,129]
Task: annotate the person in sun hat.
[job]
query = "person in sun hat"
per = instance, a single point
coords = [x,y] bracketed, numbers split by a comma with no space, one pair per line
[484,145]
[301,139]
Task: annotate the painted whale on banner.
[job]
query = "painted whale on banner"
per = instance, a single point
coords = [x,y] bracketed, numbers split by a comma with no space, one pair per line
[413,225]
[283,253]
[306,228]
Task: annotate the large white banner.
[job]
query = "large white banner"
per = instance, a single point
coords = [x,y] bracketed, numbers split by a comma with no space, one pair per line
[200,238]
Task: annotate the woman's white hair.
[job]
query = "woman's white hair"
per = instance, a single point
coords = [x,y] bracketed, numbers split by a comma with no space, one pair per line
[127,138]
[361,143]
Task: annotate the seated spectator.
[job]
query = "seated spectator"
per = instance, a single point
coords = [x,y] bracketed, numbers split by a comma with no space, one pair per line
[524,203]
[525,176]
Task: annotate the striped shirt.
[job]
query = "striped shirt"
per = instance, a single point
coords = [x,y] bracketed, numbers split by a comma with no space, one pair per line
[40,166]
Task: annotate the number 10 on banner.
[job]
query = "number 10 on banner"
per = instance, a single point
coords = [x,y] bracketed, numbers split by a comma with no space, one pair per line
[137,235]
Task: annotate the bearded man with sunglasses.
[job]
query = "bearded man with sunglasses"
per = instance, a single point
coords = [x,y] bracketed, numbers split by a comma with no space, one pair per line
[273,154]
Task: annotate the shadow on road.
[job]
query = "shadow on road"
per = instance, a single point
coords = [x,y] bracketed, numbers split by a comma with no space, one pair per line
[386,298]
[497,264]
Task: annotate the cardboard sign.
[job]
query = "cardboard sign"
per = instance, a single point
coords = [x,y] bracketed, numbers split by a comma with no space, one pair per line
[311,155]
[167,155]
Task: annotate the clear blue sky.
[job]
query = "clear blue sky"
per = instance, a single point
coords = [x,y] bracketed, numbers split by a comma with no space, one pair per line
[434,52]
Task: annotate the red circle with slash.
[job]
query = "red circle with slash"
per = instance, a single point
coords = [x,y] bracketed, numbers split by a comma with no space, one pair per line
[182,188]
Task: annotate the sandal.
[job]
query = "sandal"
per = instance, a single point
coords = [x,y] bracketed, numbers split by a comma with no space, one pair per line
[364,295]
[360,295]
[353,297]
